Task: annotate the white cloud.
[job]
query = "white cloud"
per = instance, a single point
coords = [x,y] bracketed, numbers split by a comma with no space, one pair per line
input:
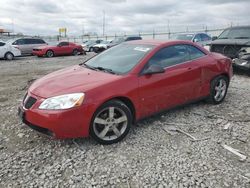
[45,17]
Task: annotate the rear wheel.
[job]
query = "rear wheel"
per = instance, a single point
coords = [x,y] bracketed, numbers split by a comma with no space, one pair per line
[111,122]
[218,89]
[9,56]
[75,52]
[50,53]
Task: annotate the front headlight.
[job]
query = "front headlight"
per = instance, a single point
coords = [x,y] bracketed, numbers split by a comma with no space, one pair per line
[62,102]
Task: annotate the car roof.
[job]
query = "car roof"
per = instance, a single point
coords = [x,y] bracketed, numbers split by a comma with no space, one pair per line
[159,42]
[194,33]
[239,27]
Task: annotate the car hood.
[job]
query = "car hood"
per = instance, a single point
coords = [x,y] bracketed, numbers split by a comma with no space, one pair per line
[70,80]
[244,42]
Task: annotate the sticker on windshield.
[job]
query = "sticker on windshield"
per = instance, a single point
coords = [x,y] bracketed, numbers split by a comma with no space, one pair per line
[142,49]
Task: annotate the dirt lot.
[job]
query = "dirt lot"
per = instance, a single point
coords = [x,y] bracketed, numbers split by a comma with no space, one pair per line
[148,157]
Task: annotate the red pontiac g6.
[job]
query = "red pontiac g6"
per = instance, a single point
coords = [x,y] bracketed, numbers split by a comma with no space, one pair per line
[62,48]
[106,95]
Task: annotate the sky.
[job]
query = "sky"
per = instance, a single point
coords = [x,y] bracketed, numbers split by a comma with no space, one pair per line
[36,17]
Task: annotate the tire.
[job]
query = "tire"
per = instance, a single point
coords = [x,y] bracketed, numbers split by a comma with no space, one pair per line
[50,53]
[9,56]
[91,49]
[75,52]
[218,89]
[111,122]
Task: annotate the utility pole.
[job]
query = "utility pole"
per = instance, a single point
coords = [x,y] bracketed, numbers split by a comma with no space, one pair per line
[168,30]
[103,23]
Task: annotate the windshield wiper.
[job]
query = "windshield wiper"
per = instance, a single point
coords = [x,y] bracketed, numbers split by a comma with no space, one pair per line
[105,69]
[241,37]
[223,38]
[99,68]
[89,67]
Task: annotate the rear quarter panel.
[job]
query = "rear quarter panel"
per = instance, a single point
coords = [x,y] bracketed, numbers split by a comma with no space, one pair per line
[213,66]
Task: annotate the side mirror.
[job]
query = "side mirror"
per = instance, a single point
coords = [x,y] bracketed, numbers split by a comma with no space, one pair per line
[153,69]
[196,40]
[214,38]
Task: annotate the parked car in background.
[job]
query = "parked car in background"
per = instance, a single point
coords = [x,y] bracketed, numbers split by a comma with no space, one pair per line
[89,45]
[26,45]
[8,51]
[104,45]
[119,40]
[234,42]
[104,96]
[200,38]
[62,48]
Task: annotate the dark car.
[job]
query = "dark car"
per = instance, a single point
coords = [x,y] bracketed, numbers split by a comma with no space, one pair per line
[200,38]
[26,45]
[234,42]
[123,39]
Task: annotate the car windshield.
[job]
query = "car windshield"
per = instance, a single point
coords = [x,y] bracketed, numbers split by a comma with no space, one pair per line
[183,37]
[89,42]
[119,59]
[118,40]
[235,33]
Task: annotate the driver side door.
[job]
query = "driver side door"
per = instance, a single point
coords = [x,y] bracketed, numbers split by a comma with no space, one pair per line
[173,87]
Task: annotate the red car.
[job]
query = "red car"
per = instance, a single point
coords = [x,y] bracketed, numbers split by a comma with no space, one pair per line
[106,95]
[63,48]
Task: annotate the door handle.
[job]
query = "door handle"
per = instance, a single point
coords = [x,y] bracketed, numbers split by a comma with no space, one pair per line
[189,68]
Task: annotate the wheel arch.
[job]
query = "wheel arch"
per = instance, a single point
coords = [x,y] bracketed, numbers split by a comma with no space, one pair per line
[222,74]
[7,53]
[128,102]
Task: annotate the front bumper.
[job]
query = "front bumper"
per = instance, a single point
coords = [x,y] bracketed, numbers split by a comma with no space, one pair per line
[60,124]
[241,64]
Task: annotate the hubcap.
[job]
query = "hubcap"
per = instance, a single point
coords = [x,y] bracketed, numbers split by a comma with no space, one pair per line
[220,90]
[9,56]
[110,123]
[49,54]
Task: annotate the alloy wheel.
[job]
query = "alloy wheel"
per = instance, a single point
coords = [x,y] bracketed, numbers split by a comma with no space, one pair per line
[220,90]
[110,123]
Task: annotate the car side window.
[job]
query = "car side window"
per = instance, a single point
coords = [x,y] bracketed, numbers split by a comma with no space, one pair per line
[170,56]
[63,44]
[205,37]
[19,42]
[197,38]
[194,52]
[30,41]
[2,43]
[40,41]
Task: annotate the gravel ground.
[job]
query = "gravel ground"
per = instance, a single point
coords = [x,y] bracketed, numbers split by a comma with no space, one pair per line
[147,157]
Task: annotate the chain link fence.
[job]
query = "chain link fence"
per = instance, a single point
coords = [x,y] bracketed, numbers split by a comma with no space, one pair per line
[145,35]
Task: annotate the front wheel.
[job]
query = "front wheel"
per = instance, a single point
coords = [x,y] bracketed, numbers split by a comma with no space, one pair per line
[111,122]
[49,53]
[218,89]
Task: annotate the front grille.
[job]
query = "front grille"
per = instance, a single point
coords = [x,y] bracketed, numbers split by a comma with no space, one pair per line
[28,103]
